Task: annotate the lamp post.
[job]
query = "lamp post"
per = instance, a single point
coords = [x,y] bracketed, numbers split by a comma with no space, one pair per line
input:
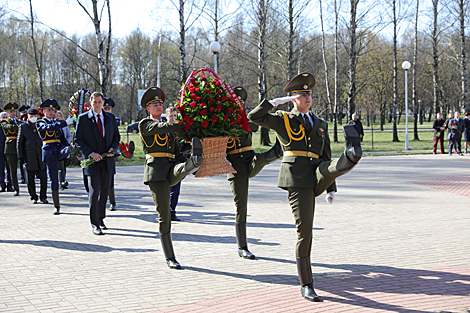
[215,48]
[406,66]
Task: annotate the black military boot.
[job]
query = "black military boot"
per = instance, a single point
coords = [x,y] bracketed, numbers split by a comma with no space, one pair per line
[306,280]
[353,152]
[55,200]
[167,247]
[275,153]
[195,160]
[131,149]
[240,230]
[112,199]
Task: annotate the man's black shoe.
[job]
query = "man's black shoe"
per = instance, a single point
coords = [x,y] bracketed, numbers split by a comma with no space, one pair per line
[103,226]
[23,181]
[17,193]
[172,263]
[44,201]
[97,230]
[245,253]
[56,211]
[309,293]
[174,217]
[34,201]
[112,207]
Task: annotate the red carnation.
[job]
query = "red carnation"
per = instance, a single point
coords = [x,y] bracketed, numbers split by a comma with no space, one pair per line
[229,111]
[191,121]
[210,100]
[191,90]
[198,98]
[239,119]
[202,104]
[193,104]
[214,119]
[219,91]
[193,96]
[197,89]
[212,109]
[224,98]
[217,83]
[208,90]
[225,118]
[205,124]
[187,126]
[203,113]
[219,108]
[232,121]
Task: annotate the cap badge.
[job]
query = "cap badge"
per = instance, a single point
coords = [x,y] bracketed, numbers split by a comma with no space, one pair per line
[305,86]
[305,74]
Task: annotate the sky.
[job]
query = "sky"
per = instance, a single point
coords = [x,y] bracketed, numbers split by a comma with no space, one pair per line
[126,15]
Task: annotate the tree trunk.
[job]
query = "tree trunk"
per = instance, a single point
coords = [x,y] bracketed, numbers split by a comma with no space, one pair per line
[330,104]
[262,10]
[415,63]
[435,75]
[290,52]
[463,56]
[335,110]
[352,60]
[395,74]
[36,58]
[182,47]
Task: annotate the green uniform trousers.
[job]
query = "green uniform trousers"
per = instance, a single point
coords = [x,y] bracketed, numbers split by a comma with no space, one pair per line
[302,202]
[13,163]
[160,191]
[240,184]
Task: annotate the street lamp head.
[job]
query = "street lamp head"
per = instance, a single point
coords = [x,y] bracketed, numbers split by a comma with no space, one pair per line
[406,65]
[215,47]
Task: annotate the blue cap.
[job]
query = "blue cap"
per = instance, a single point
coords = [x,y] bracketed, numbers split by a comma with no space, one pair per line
[108,103]
[24,108]
[49,104]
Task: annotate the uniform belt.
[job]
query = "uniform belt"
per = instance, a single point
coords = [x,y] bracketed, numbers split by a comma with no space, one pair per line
[308,154]
[50,141]
[160,155]
[240,150]
[12,137]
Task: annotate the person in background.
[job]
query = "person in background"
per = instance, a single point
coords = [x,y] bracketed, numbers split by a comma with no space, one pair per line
[65,162]
[185,148]
[357,125]
[439,128]
[466,134]
[29,147]
[456,127]
[8,186]
[10,129]
[23,118]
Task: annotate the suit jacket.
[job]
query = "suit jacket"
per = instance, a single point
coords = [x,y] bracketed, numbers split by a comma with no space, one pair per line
[50,132]
[30,147]
[158,137]
[437,124]
[455,133]
[2,140]
[10,130]
[239,160]
[296,171]
[88,136]
[466,134]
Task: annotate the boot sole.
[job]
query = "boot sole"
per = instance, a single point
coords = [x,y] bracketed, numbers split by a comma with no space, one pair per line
[197,146]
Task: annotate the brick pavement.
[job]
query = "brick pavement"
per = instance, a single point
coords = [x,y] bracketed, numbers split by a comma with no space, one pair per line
[387,244]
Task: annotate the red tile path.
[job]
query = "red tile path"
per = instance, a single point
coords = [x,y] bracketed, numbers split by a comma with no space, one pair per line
[411,291]
[456,184]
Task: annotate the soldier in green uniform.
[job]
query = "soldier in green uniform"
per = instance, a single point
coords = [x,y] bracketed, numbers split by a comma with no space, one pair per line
[307,168]
[248,164]
[165,166]
[10,128]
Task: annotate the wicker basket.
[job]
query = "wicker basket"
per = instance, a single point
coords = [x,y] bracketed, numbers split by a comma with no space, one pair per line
[213,158]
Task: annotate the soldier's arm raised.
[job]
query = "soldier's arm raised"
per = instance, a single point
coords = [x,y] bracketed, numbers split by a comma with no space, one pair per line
[149,127]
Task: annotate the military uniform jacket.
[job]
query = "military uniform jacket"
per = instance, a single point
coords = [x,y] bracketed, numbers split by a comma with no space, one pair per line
[30,147]
[239,160]
[158,139]
[10,129]
[296,171]
[50,132]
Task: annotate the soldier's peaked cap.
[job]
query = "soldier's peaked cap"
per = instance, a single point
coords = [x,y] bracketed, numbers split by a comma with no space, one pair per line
[24,108]
[152,95]
[11,106]
[302,83]
[241,93]
[109,103]
[49,104]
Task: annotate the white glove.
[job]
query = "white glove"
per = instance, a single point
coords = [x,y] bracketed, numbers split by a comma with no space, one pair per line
[330,197]
[69,120]
[282,100]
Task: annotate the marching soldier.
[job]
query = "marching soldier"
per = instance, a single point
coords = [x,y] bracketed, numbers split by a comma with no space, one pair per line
[306,169]
[165,166]
[248,164]
[54,145]
[10,129]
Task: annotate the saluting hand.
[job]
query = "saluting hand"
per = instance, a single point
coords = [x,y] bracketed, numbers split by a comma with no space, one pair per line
[330,197]
[282,100]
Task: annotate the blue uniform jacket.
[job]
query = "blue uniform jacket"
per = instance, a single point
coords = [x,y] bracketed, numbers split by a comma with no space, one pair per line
[52,137]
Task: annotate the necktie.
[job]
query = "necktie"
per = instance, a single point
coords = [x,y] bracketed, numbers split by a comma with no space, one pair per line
[100,124]
[307,123]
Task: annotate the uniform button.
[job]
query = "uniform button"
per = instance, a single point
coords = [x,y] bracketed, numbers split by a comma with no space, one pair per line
[308,138]
[309,145]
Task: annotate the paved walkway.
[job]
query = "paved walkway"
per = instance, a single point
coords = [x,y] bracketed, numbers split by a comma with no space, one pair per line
[390,243]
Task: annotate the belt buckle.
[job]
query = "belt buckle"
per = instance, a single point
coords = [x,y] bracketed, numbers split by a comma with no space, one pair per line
[240,150]
[309,154]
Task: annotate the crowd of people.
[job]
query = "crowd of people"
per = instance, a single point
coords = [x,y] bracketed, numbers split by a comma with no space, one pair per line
[457,129]
[306,171]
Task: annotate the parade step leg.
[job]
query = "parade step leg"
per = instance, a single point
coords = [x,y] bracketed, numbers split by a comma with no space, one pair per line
[112,199]
[195,160]
[167,247]
[353,152]
[55,200]
[240,230]
[273,154]
[306,279]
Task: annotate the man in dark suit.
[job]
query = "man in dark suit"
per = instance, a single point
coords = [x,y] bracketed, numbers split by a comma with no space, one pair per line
[307,169]
[456,127]
[357,125]
[8,186]
[96,134]
[30,153]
